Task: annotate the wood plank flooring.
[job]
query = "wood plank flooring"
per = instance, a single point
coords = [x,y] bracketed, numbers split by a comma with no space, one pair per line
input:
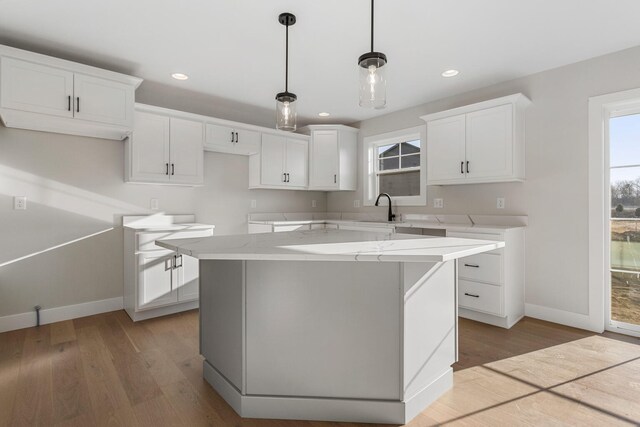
[105,370]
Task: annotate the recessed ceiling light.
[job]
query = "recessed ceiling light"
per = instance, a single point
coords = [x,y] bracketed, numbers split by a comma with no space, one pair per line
[450,73]
[179,76]
[324,114]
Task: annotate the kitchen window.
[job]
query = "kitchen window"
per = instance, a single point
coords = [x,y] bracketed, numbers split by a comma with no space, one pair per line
[395,164]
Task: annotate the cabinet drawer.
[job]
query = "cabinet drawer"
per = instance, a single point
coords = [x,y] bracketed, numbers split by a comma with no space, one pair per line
[146,241]
[480,297]
[485,267]
[478,236]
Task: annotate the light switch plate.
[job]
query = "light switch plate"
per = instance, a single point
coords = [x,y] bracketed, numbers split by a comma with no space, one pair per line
[500,203]
[20,202]
[253,203]
[154,204]
[314,204]
[356,203]
[438,203]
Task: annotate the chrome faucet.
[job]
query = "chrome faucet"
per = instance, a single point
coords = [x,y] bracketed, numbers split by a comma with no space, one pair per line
[391,215]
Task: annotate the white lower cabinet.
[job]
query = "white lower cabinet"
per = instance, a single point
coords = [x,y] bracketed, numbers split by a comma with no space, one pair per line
[491,284]
[158,281]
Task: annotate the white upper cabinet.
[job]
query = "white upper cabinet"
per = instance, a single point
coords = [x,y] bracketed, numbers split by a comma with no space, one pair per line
[478,143]
[231,139]
[38,92]
[283,162]
[103,101]
[333,157]
[36,88]
[164,149]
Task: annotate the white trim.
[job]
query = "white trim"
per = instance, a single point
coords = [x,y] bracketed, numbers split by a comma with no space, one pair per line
[601,109]
[58,314]
[327,409]
[576,320]
[369,175]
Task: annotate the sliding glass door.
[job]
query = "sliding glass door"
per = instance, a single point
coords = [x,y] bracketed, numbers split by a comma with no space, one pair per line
[624,179]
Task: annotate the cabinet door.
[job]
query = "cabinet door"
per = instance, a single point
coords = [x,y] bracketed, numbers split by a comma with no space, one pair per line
[297,163]
[446,149]
[324,160]
[35,88]
[220,138]
[247,142]
[155,281]
[272,160]
[490,142]
[188,278]
[149,148]
[103,101]
[187,153]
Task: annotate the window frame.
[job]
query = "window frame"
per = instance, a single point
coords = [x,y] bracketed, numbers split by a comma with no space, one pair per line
[370,165]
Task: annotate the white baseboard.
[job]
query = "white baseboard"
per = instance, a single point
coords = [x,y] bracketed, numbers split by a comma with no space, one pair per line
[568,318]
[57,314]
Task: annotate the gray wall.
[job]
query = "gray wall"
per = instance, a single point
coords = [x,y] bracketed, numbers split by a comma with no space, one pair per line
[75,188]
[555,194]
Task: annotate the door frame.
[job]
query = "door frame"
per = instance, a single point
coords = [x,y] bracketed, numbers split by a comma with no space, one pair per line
[601,109]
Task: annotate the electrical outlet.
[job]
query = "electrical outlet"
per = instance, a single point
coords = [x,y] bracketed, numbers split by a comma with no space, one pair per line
[20,202]
[253,203]
[500,203]
[314,204]
[155,205]
[438,203]
[356,203]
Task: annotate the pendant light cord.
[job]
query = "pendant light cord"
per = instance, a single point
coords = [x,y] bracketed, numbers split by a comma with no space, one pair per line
[372,25]
[286,61]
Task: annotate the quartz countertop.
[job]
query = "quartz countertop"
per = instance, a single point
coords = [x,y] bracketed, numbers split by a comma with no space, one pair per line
[330,245]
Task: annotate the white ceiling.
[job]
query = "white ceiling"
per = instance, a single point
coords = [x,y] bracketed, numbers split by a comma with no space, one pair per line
[234,49]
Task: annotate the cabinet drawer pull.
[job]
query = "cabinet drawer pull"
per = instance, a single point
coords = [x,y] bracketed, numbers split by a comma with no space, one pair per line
[69,103]
[232,137]
[472,265]
[288,177]
[461,167]
[472,295]
[175,261]
[284,177]
[467,166]
[77,104]
[335,179]
[173,168]
[166,172]
[237,139]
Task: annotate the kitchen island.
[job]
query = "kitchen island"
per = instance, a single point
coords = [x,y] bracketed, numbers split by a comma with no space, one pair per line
[329,324]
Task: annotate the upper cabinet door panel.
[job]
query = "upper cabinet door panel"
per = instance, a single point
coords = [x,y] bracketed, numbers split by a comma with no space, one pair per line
[187,155]
[272,167]
[219,138]
[149,147]
[103,101]
[490,142]
[324,159]
[296,163]
[35,88]
[247,142]
[446,149]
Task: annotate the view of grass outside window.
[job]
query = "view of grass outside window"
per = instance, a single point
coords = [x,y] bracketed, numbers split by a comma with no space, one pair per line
[398,168]
[624,139]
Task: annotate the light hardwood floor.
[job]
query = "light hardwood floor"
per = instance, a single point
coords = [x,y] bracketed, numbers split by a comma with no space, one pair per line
[107,370]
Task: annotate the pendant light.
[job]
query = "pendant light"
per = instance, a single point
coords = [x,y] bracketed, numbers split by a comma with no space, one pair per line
[373,82]
[286,113]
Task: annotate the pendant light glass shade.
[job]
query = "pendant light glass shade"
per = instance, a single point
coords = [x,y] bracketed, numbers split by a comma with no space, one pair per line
[286,105]
[373,80]
[286,114]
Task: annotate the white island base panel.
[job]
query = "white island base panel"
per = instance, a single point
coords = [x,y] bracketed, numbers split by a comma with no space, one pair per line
[328,340]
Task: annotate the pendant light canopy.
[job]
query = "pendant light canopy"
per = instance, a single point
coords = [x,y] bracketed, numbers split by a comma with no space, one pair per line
[286,106]
[373,81]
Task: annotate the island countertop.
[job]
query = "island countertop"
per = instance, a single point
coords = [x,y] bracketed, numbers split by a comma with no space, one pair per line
[330,245]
